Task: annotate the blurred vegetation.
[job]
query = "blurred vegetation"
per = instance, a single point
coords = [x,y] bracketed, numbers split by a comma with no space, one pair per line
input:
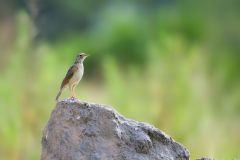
[174,64]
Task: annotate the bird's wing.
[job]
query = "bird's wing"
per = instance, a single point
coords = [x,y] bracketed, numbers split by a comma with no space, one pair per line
[69,75]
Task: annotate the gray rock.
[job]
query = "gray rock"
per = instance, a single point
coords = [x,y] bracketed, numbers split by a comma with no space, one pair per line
[80,130]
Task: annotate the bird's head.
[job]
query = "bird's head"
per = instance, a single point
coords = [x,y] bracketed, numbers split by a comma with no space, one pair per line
[81,57]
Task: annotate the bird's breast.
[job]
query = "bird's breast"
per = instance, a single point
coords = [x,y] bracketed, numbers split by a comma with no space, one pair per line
[79,73]
[77,76]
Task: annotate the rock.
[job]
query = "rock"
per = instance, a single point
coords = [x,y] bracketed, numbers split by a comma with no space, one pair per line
[80,130]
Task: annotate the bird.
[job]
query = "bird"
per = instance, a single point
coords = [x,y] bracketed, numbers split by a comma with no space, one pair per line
[73,76]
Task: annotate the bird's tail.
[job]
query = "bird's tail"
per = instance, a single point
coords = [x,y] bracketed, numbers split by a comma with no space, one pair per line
[59,93]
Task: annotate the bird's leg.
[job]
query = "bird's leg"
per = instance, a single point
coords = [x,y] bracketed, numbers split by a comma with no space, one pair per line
[74,93]
[71,91]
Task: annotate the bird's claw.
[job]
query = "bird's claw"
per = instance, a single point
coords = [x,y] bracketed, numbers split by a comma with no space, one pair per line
[72,98]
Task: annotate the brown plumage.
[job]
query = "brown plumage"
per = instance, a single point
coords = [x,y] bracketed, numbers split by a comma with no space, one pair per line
[73,76]
[69,75]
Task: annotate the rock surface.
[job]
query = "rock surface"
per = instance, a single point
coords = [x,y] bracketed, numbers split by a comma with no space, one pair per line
[80,130]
